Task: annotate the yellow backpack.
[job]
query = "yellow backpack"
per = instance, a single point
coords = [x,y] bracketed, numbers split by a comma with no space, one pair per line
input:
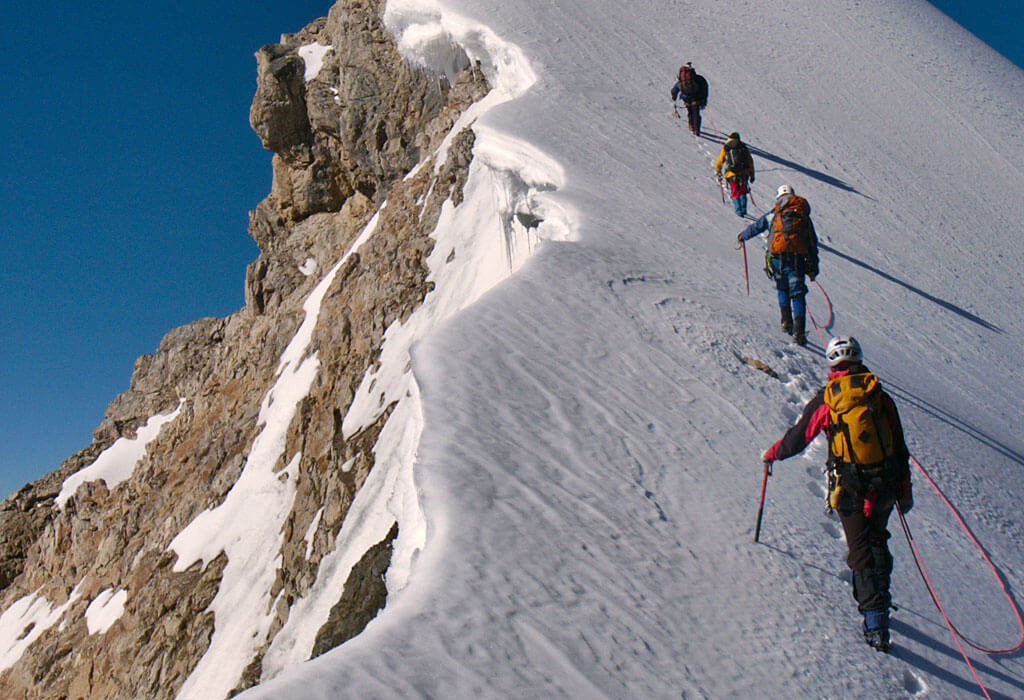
[858,432]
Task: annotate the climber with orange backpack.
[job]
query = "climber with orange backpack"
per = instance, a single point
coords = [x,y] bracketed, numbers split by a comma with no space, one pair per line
[792,253]
[868,472]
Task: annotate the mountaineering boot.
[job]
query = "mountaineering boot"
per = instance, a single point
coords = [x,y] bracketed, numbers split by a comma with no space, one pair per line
[787,320]
[876,629]
[799,336]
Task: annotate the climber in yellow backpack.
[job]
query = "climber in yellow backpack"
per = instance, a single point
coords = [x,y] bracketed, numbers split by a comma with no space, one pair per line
[868,473]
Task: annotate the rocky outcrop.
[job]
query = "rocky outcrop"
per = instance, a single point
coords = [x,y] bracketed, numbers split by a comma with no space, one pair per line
[362,598]
[344,140]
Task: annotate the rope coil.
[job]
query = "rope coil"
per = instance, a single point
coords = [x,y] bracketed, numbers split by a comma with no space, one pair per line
[984,555]
[919,562]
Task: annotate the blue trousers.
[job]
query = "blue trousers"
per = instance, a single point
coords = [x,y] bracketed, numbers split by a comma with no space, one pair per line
[788,269]
[739,203]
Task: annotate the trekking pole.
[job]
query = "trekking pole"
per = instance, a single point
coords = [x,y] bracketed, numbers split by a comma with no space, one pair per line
[760,510]
[746,272]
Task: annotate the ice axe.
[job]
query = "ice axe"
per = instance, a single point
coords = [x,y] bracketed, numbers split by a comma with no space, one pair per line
[746,272]
[760,510]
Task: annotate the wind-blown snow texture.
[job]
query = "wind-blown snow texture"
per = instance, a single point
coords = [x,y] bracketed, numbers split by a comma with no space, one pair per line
[588,465]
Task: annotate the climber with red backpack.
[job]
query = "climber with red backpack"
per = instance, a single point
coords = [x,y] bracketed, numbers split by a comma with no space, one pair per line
[739,171]
[692,89]
[868,473]
[792,253]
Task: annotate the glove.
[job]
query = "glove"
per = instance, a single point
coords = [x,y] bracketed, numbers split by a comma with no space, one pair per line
[905,496]
[811,268]
[768,456]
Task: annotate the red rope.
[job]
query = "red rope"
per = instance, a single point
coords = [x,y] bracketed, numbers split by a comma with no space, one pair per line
[991,566]
[817,329]
[935,598]
[751,195]
[746,272]
[713,125]
[831,317]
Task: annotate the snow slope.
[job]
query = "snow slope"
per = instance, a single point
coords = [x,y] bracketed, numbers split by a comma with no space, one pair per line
[588,465]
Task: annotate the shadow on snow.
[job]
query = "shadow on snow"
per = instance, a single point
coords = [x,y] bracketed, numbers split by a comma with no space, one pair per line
[803,169]
[934,299]
[968,685]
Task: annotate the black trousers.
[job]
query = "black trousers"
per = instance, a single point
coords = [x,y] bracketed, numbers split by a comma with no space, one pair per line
[869,558]
[693,116]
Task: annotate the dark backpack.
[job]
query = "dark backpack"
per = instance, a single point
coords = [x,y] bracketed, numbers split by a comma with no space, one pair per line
[737,158]
[689,87]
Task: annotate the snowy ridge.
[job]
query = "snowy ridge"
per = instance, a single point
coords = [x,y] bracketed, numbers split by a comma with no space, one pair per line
[505,213]
[507,178]
[587,471]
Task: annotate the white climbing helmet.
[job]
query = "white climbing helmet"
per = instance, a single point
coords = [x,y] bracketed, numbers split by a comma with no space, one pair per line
[843,348]
[785,189]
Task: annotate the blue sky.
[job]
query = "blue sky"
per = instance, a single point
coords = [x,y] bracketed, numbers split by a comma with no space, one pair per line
[129,170]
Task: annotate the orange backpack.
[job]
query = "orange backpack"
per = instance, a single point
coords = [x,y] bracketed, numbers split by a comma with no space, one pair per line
[789,226]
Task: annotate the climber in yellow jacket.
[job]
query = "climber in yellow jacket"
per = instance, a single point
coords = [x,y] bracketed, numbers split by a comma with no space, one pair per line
[739,171]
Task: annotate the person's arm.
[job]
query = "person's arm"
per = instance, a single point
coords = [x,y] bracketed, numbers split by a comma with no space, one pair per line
[754,228]
[811,263]
[812,421]
[900,449]
[904,490]
[719,161]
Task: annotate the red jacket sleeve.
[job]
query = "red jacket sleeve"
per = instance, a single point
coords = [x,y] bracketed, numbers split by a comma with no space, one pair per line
[812,421]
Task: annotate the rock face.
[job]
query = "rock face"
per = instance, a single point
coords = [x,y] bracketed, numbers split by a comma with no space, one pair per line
[344,139]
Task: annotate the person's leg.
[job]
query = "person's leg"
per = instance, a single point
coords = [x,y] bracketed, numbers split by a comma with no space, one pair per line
[782,289]
[881,558]
[786,320]
[693,110]
[871,564]
[797,296]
